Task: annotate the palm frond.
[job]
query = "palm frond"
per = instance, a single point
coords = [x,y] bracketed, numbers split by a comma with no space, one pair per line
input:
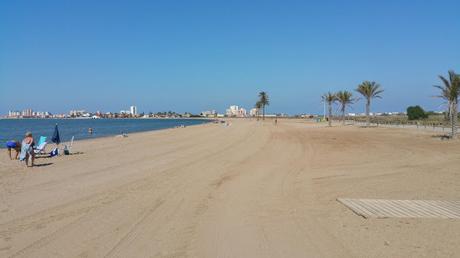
[263,98]
[445,81]
[450,90]
[369,90]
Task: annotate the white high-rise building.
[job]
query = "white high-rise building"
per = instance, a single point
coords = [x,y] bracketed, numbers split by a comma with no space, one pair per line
[236,111]
[14,113]
[133,110]
[232,110]
[254,112]
[27,112]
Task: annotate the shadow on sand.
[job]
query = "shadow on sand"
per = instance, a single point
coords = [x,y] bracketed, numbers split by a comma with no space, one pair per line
[47,156]
[43,164]
[442,137]
[75,153]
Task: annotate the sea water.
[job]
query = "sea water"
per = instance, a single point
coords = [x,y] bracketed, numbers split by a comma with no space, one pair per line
[14,129]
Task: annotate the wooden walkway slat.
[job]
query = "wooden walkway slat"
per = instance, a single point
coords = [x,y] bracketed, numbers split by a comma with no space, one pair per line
[379,208]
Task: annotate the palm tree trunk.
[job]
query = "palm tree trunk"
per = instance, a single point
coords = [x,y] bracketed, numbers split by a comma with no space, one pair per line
[343,116]
[448,113]
[329,116]
[368,108]
[453,118]
[263,112]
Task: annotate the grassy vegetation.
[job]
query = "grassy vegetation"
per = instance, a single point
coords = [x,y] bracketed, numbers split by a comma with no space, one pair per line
[433,119]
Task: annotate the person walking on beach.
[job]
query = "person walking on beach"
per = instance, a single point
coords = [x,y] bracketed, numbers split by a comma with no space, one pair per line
[13,144]
[27,149]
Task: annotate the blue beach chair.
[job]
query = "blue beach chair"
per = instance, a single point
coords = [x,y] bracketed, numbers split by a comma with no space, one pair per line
[41,140]
[40,147]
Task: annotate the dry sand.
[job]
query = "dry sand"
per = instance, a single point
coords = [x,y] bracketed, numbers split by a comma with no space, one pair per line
[249,190]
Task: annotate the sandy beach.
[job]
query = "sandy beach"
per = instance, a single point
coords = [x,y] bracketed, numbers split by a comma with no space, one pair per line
[252,189]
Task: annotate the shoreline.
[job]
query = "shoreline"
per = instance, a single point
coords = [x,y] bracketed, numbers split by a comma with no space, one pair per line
[139,133]
[95,136]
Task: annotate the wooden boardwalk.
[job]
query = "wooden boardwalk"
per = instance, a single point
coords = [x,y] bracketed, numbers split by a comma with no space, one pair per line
[377,208]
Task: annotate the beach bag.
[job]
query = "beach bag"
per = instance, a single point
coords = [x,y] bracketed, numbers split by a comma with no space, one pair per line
[54,152]
[66,150]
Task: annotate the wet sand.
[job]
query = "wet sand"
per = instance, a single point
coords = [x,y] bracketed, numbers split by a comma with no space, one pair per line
[249,190]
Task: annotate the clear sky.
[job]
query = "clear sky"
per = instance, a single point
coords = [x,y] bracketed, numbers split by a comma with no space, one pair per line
[200,55]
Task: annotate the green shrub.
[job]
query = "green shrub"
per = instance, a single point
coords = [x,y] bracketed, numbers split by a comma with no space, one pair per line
[416,112]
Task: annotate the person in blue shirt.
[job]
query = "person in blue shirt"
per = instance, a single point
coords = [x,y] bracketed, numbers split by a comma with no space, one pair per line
[13,145]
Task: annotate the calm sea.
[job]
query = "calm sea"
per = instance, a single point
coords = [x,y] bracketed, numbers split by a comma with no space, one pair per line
[14,129]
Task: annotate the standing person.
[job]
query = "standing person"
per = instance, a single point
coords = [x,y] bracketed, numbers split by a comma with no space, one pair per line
[13,144]
[27,149]
[276,121]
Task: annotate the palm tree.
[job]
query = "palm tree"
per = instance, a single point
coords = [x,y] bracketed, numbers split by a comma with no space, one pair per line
[329,98]
[449,92]
[258,106]
[369,90]
[263,99]
[345,98]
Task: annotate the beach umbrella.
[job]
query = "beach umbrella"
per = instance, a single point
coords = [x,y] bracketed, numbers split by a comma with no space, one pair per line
[56,138]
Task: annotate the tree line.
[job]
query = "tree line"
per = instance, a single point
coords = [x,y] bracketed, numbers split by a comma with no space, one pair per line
[449,91]
[369,90]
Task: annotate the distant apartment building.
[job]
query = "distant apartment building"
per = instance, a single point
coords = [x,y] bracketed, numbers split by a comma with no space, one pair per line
[27,113]
[14,114]
[209,113]
[133,110]
[60,116]
[242,112]
[77,113]
[308,116]
[40,114]
[109,115]
[232,111]
[254,112]
[236,111]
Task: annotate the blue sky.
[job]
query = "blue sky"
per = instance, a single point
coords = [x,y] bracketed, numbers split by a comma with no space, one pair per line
[200,55]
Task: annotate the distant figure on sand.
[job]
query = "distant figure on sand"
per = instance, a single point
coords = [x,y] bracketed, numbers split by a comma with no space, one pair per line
[27,149]
[13,144]
[90,130]
[276,121]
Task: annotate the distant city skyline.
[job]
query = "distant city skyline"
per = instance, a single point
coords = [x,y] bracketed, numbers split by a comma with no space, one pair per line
[57,56]
[231,111]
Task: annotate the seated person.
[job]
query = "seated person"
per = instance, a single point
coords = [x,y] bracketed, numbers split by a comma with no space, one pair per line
[16,146]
